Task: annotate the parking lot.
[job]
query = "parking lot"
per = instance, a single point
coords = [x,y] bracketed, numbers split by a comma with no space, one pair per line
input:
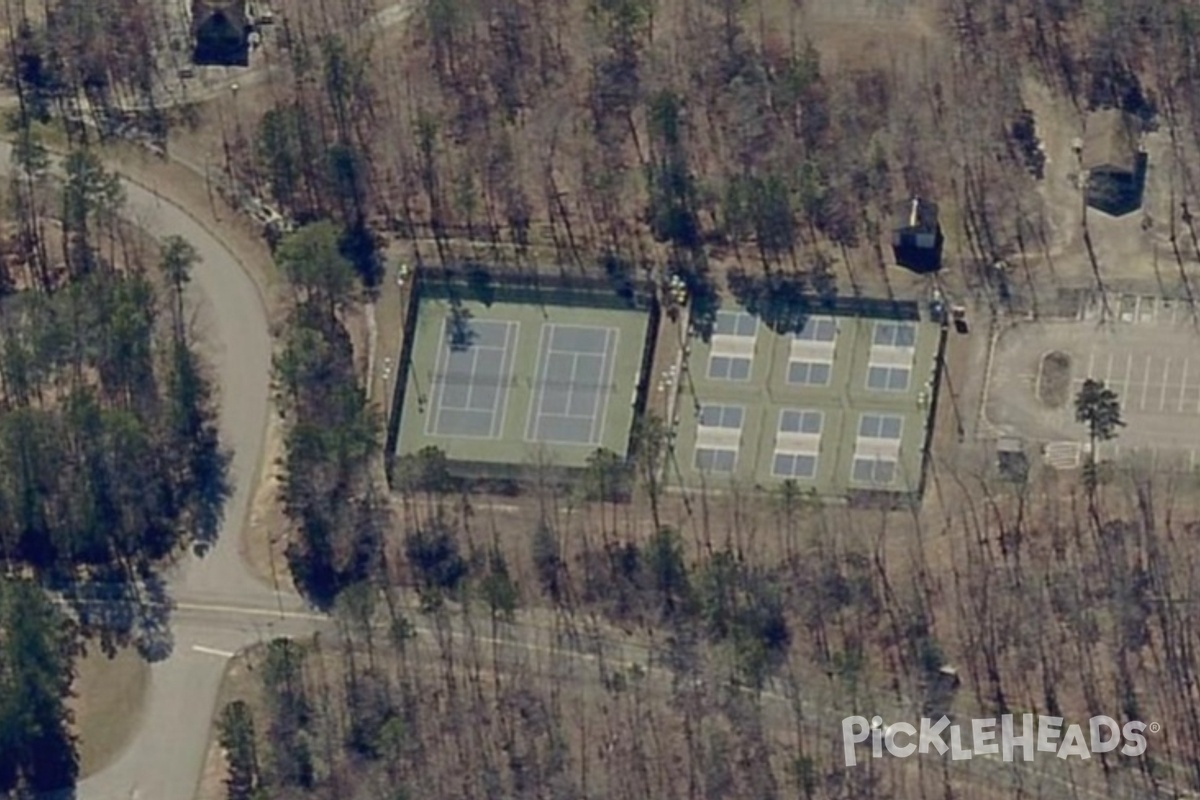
[1148,353]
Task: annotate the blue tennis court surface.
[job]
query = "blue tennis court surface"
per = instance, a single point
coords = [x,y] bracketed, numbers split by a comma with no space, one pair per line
[471,380]
[574,379]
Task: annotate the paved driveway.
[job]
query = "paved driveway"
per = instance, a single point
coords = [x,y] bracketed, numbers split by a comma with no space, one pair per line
[1149,354]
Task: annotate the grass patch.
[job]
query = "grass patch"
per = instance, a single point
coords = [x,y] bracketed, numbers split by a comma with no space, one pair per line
[110,694]
[1054,380]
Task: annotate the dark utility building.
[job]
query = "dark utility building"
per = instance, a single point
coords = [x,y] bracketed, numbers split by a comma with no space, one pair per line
[1115,165]
[917,237]
[221,31]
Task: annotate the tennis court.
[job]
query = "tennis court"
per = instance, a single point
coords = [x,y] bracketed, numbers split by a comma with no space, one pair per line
[471,381]
[521,383]
[574,379]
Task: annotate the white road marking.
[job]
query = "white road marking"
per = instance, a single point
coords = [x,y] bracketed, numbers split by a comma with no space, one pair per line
[1128,372]
[1145,383]
[249,611]
[1162,402]
[209,651]
[1091,363]
[1108,372]
[1183,387]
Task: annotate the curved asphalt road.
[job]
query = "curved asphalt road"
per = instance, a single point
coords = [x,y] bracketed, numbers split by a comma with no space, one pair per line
[220,606]
[164,760]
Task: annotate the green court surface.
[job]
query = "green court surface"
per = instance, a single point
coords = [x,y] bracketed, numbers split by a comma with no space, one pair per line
[841,407]
[521,383]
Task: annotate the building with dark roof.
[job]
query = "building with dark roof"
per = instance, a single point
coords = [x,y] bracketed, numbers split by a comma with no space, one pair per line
[917,236]
[221,33]
[1115,166]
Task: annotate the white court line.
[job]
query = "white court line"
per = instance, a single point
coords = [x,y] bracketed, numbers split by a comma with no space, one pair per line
[1162,402]
[1183,388]
[573,384]
[512,334]
[432,420]
[209,651]
[612,340]
[1145,382]
[475,353]
[546,350]
[540,375]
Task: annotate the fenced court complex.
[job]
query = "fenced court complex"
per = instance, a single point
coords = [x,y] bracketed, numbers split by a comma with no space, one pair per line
[841,407]
[505,379]
[522,378]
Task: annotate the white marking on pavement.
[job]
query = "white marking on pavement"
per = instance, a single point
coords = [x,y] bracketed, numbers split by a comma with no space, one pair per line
[1128,370]
[1183,387]
[249,611]
[1091,363]
[1162,402]
[209,651]
[1145,383]
[1108,372]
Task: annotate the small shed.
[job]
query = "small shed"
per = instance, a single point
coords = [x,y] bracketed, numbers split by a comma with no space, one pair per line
[1011,459]
[221,32]
[1113,161]
[917,235]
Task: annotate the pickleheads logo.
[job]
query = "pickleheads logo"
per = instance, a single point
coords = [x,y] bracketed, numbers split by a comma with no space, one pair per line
[1000,736]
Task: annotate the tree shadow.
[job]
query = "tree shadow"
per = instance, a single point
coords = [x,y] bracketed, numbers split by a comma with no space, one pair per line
[210,489]
[701,293]
[480,283]
[359,244]
[620,275]
[117,612]
[459,332]
[781,300]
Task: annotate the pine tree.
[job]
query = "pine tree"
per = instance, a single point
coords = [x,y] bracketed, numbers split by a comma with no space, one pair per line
[236,732]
